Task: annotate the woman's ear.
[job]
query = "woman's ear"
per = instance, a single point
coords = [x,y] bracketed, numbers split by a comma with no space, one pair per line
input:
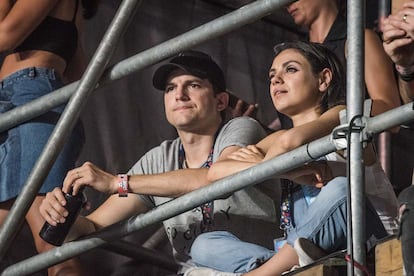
[325,78]
[222,100]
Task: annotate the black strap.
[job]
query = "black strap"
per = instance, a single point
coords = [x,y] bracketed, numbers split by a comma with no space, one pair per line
[76,11]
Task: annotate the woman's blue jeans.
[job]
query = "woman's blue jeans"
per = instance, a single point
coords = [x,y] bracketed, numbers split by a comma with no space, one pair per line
[324,222]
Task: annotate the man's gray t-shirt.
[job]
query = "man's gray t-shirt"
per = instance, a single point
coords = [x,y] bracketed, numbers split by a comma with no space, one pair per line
[251,213]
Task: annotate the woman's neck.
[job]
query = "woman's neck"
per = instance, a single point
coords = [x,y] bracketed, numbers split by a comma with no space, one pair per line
[320,28]
[304,117]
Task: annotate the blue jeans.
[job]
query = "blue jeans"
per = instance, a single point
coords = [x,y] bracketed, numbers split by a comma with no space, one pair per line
[21,146]
[323,222]
[223,251]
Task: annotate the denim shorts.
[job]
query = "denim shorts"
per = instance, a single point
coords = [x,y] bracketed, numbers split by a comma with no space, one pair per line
[21,146]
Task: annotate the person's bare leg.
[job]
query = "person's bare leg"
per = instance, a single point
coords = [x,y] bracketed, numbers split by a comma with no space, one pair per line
[36,221]
[4,210]
[283,261]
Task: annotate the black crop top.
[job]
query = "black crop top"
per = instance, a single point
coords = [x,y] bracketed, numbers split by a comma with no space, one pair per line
[53,35]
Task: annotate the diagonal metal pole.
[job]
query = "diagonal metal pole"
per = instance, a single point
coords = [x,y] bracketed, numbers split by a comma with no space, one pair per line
[142,254]
[225,186]
[213,29]
[66,122]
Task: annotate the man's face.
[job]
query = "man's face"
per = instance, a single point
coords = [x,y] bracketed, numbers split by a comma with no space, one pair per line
[190,103]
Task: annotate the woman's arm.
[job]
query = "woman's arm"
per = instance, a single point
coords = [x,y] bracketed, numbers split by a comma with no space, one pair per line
[5,7]
[18,21]
[379,76]
[234,162]
[300,135]
[398,44]
[275,144]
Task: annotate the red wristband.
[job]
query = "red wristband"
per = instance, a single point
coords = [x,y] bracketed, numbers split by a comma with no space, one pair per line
[122,185]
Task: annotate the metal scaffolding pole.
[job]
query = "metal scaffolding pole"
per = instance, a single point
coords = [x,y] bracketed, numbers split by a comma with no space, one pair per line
[213,29]
[384,138]
[142,254]
[66,122]
[225,186]
[354,88]
[87,84]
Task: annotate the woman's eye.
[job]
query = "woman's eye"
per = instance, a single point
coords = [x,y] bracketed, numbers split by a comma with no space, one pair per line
[291,69]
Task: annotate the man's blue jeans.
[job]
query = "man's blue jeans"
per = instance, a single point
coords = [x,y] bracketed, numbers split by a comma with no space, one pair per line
[323,222]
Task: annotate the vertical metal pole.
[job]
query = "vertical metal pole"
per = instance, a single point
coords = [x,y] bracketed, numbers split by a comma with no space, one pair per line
[384,9]
[66,122]
[225,186]
[384,138]
[355,88]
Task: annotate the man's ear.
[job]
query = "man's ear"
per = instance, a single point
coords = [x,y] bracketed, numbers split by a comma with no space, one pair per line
[222,100]
[325,78]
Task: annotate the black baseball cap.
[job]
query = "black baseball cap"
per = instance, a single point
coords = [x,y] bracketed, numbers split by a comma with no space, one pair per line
[196,63]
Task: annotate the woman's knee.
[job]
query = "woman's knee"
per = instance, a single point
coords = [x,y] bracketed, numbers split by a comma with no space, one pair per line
[338,186]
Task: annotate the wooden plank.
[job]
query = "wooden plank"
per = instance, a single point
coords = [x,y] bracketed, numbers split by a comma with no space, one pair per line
[319,270]
[388,258]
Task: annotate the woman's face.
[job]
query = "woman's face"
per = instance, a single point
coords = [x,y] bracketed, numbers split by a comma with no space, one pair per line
[304,12]
[294,88]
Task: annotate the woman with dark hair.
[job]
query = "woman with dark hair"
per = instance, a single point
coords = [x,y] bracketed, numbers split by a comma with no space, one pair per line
[307,85]
[40,42]
[326,23]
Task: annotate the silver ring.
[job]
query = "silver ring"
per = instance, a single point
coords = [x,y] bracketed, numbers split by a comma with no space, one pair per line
[405,18]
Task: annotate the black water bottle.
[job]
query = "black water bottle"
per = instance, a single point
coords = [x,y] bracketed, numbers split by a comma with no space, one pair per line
[56,234]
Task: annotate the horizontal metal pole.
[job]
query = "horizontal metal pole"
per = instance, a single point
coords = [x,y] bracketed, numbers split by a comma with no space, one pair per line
[143,255]
[65,124]
[174,207]
[213,29]
[230,184]
[391,118]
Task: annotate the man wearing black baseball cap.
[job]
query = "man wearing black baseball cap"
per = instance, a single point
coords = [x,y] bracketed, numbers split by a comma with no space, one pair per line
[195,63]
[194,97]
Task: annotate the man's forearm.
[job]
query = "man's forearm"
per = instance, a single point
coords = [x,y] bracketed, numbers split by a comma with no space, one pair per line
[169,184]
[81,227]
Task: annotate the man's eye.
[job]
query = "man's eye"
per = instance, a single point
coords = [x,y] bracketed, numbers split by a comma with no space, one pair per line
[169,89]
[195,85]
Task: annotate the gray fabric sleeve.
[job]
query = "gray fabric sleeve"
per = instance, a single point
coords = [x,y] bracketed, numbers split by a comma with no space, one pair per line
[240,131]
[163,158]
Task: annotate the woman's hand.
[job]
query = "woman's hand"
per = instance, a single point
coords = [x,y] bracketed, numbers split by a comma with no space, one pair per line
[398,35]
[251,154]
[317,174]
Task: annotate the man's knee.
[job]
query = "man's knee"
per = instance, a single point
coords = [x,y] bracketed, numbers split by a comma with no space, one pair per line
[204,245]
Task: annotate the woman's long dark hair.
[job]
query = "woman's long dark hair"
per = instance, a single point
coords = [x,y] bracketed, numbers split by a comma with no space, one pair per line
[320,57]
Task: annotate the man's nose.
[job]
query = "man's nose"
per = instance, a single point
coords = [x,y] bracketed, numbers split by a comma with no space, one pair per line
[181,93]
